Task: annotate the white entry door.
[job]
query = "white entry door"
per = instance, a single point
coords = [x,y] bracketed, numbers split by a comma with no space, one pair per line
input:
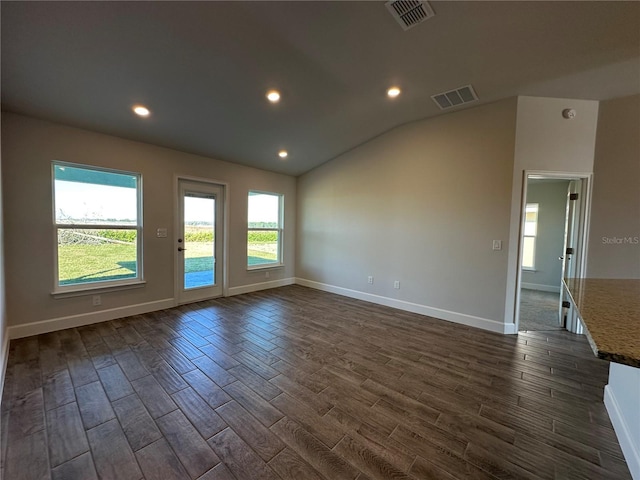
[199,247]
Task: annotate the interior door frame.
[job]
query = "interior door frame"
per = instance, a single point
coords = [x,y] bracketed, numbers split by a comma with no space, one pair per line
[583,226]
[176,231]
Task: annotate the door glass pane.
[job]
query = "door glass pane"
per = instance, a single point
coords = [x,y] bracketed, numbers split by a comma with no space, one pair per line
[199,241]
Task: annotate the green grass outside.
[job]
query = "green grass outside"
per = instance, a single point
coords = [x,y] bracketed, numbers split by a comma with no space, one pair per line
[198,256]
[261,253]
[80,263]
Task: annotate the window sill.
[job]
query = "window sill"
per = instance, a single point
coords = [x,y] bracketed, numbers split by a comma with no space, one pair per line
[529,269]
[79,291]
[265,267]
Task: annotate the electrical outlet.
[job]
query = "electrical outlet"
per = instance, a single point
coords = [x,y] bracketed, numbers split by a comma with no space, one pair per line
[266,274]
[97,300]
[370,280]
[396,284]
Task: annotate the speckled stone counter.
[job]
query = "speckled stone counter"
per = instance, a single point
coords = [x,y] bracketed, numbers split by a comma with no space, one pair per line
[610,311]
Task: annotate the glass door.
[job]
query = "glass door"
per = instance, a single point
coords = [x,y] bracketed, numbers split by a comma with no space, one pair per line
[199,241]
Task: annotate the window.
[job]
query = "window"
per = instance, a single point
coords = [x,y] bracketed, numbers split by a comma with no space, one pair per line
[98,227]
[530,233]
[264,232]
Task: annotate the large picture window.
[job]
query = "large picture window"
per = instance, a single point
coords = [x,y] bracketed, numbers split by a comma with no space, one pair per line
[530,234]
[264,232]
[98,227]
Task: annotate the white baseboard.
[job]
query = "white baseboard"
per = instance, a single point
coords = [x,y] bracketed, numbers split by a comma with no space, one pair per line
[255,287]
[541,288]
[53,324]
[4,357]
[510,329]
[462,318]
[630,451]
[61,323]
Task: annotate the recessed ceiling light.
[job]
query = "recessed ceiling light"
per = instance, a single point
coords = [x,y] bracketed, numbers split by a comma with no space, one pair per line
[273,96]
[283,154]
[141,111]
[393,92]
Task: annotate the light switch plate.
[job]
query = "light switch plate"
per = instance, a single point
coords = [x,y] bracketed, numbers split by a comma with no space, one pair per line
[161,233]
[497,244]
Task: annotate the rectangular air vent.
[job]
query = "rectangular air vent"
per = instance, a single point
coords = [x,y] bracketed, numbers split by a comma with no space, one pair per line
[409,13]
[453,98]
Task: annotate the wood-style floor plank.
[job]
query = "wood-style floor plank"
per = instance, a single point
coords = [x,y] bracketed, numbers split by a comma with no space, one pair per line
[194,453]
[290,466]
[27,413]
[158,462]
[94,405]
[208,390]
[260,408]
[260,438]
[137,424]
[81,467]
[115,383]
[81,369]
[294,383]
[317,454]
[27,458]
[154,397]
[219,472]
[239,457]
[58,389]
[201,415]
[65,434]
[112,454]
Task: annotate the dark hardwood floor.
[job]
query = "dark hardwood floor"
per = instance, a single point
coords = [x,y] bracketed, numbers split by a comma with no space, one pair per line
[294,383]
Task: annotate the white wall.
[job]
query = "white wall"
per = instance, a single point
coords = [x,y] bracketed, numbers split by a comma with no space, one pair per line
[614,247]
[545,141]
[614,244]
[420,204]
[28,148]
[551,197]
[622,399]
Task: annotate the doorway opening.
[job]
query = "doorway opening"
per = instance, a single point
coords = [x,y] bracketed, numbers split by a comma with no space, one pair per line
[199,241]
[552,247]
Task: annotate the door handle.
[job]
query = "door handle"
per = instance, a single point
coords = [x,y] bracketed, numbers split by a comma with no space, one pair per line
[560,258]
[180,249]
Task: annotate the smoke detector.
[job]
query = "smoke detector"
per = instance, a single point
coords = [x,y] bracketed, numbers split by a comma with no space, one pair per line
[409,13]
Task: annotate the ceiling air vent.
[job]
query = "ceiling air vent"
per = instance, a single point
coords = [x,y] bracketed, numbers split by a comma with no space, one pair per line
[409,13]
[456,97]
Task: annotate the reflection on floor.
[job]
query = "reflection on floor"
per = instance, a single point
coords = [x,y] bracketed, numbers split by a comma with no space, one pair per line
[198,279]
[294,383]
[538,310]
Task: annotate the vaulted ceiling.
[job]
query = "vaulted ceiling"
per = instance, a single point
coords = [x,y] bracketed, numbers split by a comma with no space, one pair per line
[203,68]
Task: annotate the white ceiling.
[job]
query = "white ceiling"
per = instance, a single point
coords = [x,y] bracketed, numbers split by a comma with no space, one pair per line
[203,68]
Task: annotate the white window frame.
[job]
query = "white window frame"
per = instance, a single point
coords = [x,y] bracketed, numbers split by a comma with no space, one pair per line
[280,230]
[531,268]
[76,289]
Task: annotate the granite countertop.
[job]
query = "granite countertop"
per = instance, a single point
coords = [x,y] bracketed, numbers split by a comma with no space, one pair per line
[610,311]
